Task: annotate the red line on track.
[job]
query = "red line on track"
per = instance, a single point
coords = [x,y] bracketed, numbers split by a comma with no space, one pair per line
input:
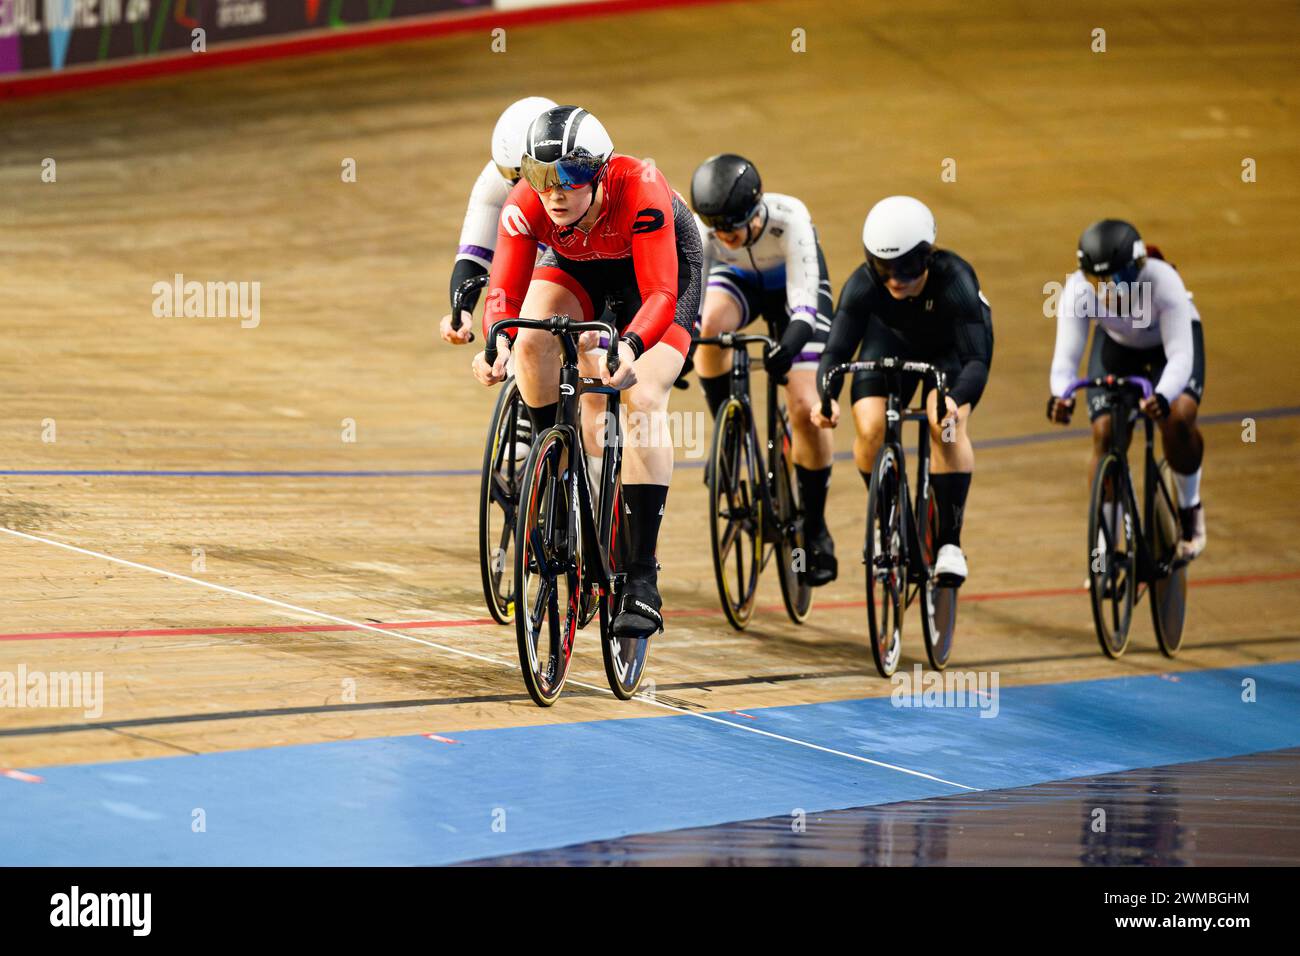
[1224,581]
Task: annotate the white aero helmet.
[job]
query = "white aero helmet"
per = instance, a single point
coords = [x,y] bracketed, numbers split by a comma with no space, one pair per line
[899,237]
[508,135]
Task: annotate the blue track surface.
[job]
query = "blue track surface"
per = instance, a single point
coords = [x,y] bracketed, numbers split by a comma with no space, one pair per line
[412,800]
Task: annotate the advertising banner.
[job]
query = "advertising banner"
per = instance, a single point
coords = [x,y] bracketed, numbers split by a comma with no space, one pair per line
[45,35]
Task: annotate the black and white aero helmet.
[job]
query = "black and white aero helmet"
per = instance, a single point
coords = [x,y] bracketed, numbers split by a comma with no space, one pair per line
[566,147]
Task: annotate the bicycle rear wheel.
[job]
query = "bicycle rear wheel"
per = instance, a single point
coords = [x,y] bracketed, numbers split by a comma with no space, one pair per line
[886,560]
[938,603]
[498,499]
[1112,556]
[735,502]
[625,657]
[547,562]
[796,592]
[1169,592]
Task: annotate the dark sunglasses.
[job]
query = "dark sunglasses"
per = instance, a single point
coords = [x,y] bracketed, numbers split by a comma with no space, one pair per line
[1125,276]
[905,268]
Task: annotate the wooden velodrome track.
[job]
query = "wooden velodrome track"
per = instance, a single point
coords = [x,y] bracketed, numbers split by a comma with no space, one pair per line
[235,175]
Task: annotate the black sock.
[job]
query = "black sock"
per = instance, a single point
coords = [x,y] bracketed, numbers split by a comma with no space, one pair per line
[716,391]
[950,492]
[866,478]
[645,505]
[814,483]
[543,418]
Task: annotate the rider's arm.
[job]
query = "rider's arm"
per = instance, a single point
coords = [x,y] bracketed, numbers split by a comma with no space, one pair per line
[974,340]
[847,329]
[519,226]
[802,275]
[478,231]
[1071,334]
[654,257]
[1173,310]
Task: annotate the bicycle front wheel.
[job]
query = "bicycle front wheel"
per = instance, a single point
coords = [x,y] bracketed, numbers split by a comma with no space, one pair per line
[736,504]
[1168,592]
[886,559]
[625,657]
[548,560]
[504,452]
[938,602]
[796,592]
[1112,556]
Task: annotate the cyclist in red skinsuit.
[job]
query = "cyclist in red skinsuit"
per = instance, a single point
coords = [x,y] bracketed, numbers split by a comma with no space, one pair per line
[635,223]
[617,237]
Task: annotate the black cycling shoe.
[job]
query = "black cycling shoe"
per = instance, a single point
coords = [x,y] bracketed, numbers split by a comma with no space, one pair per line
[638,607]
[822,566]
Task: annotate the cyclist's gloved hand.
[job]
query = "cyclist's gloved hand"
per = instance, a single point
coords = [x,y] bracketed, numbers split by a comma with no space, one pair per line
[1157,406]
[778,362]
[1059,410]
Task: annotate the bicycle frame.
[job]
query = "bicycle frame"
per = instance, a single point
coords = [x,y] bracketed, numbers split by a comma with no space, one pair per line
[740,366]
[596,522]
[1121,392]
[895,415]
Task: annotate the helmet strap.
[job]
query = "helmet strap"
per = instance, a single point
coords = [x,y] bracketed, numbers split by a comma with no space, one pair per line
[751,236]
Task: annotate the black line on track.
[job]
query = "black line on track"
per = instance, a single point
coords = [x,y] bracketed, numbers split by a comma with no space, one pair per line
[574,692]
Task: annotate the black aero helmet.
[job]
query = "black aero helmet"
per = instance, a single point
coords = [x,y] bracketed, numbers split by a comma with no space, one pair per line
[1110,248]
[726,191]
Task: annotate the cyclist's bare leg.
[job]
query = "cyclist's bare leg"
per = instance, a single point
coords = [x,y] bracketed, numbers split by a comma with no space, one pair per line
[537,354]
[648,450]
[721,314]
[1185,449]
[1101,429]
[813,447]
[952,462]
[950,447]
[869,421]
[1181,438]
[647,471]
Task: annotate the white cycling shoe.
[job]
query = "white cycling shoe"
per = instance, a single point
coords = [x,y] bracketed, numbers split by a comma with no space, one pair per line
[950,566]
[523,445]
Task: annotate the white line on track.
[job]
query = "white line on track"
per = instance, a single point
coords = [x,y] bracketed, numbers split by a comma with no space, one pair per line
[361,626]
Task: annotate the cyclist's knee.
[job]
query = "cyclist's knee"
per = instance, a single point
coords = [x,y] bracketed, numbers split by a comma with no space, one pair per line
[869,418]
[647,397]
[720,314]
[533,347]
[1182,417]
[711,361]
[801,394]
[950,432]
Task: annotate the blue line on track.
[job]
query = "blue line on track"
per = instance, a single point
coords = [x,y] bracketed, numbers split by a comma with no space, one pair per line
[411,800]
[1033,438]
